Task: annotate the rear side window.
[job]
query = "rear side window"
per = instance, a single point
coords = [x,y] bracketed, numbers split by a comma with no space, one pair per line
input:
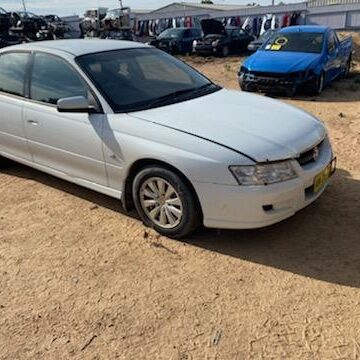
[53,79]
[12,72]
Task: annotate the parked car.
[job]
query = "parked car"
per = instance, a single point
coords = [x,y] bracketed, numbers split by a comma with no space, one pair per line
[221,41]
[297,58]
[257,43]
[4,20]
[177,40]
[137,124]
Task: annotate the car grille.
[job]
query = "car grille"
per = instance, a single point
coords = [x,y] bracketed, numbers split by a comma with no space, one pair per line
[266,74]
[310,156]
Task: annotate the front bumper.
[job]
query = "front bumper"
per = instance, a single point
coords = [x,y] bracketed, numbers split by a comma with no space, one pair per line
[249,207]
[206,50]
[275,84]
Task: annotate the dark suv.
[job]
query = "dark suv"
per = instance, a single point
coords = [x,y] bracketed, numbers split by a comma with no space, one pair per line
[177,40]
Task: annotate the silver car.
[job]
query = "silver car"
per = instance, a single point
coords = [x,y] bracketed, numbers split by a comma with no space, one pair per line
[133,122]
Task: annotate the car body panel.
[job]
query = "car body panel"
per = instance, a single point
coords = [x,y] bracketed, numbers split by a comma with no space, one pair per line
[243,122]
[12,132]
[68,142]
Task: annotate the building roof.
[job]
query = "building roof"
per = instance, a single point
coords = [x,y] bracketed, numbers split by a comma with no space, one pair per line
[77,47]
[192,5]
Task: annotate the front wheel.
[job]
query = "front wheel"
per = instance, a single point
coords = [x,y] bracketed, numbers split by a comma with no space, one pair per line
[318,86]
[4,163]
[225,51]
[165,202]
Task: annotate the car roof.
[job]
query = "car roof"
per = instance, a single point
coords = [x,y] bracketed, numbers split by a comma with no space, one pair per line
[305,28]
[78,47]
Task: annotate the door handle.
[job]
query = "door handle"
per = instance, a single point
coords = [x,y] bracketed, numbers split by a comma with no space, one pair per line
[32,122]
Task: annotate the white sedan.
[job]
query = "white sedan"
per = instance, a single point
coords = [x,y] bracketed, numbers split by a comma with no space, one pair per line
[133,122]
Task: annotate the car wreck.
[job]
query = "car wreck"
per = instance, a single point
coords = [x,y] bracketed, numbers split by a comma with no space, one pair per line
[219,40]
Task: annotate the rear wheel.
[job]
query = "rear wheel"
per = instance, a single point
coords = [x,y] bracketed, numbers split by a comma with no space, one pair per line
[347,68]
[165,202]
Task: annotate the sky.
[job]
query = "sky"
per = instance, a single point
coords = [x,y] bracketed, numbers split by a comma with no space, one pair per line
[70,7]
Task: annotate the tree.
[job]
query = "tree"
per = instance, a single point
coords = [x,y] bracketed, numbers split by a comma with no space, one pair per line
[207,2]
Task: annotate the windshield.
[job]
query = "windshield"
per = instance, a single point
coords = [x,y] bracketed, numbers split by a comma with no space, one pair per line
[138,79]
[295,42]
[267,35]
[171,33]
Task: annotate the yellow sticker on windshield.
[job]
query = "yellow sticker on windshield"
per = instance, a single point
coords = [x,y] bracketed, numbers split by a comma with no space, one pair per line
[282,40]
[275,47]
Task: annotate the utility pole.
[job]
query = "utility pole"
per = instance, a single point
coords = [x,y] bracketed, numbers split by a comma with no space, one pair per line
[24,6]
[121,4]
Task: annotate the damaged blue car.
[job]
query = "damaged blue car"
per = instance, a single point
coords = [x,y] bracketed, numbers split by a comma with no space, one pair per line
[297,59]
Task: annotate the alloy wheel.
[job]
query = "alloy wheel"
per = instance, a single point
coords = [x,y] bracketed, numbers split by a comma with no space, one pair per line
[161,202]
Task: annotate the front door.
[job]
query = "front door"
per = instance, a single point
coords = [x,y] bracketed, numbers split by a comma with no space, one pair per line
[67,142]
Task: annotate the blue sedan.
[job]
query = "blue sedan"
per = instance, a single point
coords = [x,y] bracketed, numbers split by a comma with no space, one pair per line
[298,58]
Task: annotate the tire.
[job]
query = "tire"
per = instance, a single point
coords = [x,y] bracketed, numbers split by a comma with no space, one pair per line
[165,202]
[225,51]
[318,87]
[4,163]
[348,68]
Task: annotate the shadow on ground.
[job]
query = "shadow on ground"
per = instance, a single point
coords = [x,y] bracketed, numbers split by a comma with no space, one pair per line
[321,242]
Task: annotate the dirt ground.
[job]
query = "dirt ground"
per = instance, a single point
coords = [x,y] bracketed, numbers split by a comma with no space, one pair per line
[81,280]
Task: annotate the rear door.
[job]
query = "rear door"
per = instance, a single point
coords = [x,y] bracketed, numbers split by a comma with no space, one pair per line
[67,142]
[13,68]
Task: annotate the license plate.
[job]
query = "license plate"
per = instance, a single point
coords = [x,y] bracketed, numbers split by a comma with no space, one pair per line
[324,176]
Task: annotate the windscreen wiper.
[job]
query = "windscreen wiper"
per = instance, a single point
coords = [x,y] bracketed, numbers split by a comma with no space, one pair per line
[174,95]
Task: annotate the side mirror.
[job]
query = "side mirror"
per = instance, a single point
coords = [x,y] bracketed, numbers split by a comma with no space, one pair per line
[79,104]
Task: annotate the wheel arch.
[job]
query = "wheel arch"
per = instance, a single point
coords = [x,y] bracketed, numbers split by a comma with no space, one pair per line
[127,198]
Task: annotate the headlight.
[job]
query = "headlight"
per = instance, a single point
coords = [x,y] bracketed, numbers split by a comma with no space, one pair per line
[264,174]
[215,43]
[243,69]
[194,43]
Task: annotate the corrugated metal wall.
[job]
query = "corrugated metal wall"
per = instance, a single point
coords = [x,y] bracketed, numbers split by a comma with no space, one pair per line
[338,14]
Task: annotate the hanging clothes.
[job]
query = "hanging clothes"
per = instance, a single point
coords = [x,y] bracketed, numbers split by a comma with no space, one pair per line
[189,21]
[247,25]
[266,23]
[274,22]
[294,19]
[285,20]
